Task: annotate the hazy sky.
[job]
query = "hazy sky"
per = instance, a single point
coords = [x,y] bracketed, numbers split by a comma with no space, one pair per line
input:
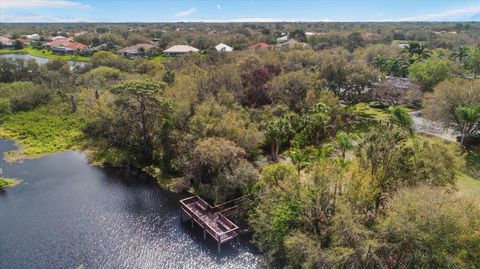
[237,10]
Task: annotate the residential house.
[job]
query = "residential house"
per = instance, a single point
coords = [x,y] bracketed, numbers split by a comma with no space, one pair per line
[135,50]
[282,39]
[223,48]
[32,37]
[6,42]
[259,46]
[66,46]
[179,50]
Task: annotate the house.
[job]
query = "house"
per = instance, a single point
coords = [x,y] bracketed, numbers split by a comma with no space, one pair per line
[6,42]
[34,37]
[92,50]
[66,46]
[292,44]
[135,50]
[259,46]
[282,39]
[223,48]
[25,41]
[179,50]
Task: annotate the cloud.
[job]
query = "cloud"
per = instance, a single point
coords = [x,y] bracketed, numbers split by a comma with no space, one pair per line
[185,12]
[28,17]
[219,7]
[254,20]
[449,14]
[41,3]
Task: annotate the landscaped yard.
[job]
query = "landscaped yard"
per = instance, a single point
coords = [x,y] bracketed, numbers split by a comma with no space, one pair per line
[45,53]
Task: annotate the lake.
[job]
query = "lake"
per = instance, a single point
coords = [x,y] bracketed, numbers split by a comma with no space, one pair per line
[67,213]
[39,60]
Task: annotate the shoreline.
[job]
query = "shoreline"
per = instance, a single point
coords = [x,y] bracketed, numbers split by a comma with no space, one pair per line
[33,52]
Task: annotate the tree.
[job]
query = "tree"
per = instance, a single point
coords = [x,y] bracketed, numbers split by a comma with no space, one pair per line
[396,91]
[430,72]
[461,53]
[427,227]
[299,35]
[345,141]
[219,170]
[454,104]
[278,132]
[169,77]
[400,116]
[143,105]
[473,61]
[17,44]
[354,41]
[468,118]
[256,86]
[417,51]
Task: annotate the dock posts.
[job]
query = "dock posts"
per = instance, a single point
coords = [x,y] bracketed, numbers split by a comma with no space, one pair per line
[191,221]
[204,234]
[219,247]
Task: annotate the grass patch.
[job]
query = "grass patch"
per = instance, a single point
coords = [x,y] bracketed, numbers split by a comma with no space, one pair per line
[160,58]
[9,182]
[364,110]
[45,53]
[42,131]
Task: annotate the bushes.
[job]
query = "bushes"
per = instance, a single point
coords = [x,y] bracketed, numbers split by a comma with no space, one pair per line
[25,96]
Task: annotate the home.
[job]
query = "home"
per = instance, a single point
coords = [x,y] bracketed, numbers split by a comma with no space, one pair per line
[25,41]
[135,50]
[66,46]
[179,50]
[5,42]
[282,39]
[34,37]
[223,48]
[259,46]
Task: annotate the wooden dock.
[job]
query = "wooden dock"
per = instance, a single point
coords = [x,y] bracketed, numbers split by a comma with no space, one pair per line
[212,221]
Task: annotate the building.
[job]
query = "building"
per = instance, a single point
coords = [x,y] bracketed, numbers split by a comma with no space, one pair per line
[33,37]
[223,48]
[6,42]
[259,46]
[66,46]
[179,50]
[282,39]
[135,50]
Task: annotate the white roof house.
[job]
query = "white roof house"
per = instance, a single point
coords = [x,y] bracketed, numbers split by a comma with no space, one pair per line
[282,39]
[223,48]
[32,36]
[179,50]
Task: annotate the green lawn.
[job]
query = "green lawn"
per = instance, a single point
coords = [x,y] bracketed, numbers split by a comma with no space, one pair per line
[160,58]
[42,131]
[45,53]
[364,110]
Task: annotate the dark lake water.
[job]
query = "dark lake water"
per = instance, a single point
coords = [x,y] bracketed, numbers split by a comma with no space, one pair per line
[67,213]
[39,60]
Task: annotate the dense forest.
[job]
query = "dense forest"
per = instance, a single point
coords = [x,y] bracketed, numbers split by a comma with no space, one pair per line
[319,138]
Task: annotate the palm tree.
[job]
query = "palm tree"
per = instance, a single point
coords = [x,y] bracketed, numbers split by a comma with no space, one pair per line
[345,142]
[468,118]
[417,51]
[461,53]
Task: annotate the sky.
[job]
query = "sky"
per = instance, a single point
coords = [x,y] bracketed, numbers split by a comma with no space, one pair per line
[237,10]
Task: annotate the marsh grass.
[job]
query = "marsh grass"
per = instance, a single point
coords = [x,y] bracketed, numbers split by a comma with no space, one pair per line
[42,131]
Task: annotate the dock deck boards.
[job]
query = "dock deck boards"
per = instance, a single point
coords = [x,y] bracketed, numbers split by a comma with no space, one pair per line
[215,223]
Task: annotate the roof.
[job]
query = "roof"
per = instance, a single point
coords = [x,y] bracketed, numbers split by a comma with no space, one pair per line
[135,48]
[222,46]
[181,49]
[66,43]
[5,40]
[293,44]
[259,46]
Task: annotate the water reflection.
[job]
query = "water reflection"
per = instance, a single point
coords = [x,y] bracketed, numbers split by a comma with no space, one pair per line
[68,213]
[40,60]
